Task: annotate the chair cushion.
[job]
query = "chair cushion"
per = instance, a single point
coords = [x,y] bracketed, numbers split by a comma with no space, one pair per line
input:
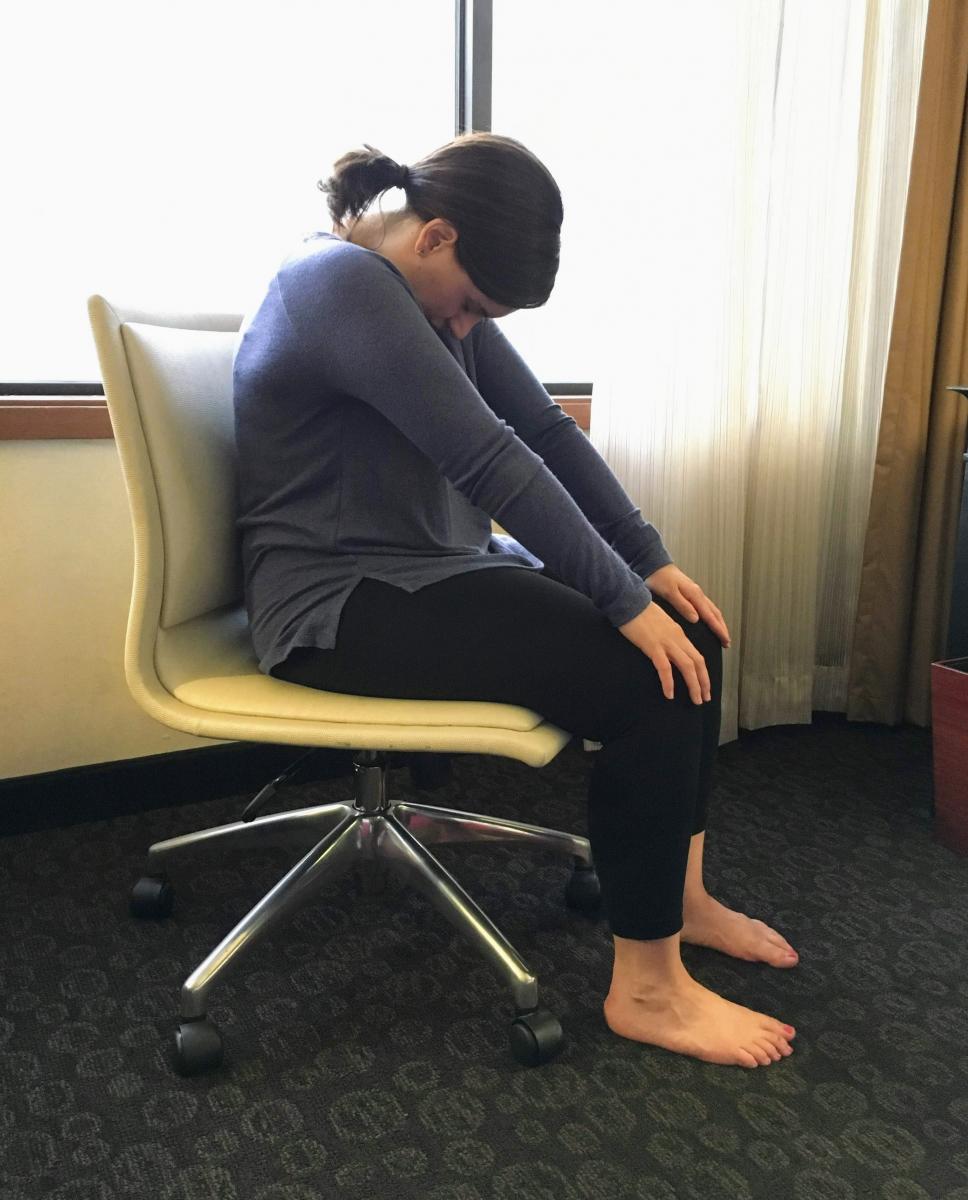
[183,381]
[208,663]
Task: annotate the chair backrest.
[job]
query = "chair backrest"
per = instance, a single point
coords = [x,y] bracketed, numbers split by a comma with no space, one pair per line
[168,384]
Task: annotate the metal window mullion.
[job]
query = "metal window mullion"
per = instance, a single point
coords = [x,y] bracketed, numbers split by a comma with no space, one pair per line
[474,60]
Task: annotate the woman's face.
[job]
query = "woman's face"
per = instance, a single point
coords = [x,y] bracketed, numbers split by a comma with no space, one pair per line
[424,252]
[443,288]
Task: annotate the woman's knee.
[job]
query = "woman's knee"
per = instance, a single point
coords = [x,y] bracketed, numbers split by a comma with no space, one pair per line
[702,637]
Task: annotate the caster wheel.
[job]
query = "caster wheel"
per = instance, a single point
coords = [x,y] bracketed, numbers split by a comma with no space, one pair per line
[535,1037]
[583,892]
[198,1047]
[429,772]
[152,897]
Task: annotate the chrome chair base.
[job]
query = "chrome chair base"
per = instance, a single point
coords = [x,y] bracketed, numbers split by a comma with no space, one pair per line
[373,835]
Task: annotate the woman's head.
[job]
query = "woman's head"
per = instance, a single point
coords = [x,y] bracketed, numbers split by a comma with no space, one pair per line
[494,206]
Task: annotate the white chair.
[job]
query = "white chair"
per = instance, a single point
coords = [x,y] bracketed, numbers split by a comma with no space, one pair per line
[189,663]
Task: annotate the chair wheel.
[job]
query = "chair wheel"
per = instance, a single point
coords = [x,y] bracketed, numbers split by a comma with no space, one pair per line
[152,896]
[583,892]
[535,1037]
[198,1047]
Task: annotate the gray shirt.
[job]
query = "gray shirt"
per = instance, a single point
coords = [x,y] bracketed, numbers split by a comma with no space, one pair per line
[371,444]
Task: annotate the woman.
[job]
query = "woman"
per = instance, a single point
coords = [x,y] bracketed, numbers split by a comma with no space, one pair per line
[382,420]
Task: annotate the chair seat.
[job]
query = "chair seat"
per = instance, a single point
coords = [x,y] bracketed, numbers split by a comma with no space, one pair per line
[208,663]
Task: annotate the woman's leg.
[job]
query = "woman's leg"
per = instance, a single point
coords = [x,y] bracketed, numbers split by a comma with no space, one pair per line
[520,637]
[694,889]
[707,922]
[523,637]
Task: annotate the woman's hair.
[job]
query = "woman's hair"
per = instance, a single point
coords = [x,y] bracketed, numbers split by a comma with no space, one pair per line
[501,199]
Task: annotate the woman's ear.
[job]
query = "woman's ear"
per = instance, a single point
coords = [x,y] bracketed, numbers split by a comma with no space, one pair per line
[439,232]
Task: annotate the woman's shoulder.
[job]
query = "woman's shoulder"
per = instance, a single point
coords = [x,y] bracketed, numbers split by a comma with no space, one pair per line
[331,260]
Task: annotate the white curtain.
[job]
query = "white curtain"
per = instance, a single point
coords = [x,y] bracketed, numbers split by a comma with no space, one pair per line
[746,284]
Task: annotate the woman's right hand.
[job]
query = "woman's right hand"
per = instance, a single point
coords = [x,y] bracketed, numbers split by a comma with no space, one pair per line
[655,633]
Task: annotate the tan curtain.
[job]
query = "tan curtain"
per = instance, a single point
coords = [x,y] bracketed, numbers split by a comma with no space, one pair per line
[903,608]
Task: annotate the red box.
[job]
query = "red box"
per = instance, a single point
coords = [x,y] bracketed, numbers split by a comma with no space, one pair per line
[949,735]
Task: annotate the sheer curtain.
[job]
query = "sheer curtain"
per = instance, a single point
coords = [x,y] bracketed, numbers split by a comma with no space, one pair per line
[763,150]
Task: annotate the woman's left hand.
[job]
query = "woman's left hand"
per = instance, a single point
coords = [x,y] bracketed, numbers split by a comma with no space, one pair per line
[688,598]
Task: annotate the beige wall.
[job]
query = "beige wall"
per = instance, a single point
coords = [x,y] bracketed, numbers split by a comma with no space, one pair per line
[65,581]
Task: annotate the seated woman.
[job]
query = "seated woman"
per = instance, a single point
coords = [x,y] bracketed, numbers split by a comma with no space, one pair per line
[382,421]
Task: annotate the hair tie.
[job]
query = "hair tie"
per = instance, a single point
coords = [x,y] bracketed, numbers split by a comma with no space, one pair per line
[404,177]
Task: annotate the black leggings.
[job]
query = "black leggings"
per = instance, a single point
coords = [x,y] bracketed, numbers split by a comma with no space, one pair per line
[523,637]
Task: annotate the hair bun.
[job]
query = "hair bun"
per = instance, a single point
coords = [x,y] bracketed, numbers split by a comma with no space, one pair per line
[391,173]
[358,176]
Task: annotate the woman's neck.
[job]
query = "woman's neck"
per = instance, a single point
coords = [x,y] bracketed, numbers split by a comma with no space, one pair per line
[372,230]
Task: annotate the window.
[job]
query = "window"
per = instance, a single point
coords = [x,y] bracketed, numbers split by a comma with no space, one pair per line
[545,93]
[172,151]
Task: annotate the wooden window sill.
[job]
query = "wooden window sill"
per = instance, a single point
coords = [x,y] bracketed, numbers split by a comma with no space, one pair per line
[34,418]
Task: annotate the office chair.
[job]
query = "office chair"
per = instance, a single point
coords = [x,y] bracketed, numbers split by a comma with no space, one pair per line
[189,663]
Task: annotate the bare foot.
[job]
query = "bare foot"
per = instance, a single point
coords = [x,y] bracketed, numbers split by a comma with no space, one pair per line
[706,922]
[688,1018]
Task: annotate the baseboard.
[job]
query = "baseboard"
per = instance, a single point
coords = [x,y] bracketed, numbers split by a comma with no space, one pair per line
[105,790]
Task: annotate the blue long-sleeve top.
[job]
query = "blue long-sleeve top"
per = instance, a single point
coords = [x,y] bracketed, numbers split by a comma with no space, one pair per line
[371,444]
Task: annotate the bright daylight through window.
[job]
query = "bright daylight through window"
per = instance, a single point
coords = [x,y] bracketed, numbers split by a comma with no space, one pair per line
[174,160]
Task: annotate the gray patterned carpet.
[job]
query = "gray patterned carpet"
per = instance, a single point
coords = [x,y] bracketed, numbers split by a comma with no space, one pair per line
[365,1045]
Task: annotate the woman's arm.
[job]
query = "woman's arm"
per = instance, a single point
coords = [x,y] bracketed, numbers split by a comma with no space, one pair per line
[515,394]
[358,329]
